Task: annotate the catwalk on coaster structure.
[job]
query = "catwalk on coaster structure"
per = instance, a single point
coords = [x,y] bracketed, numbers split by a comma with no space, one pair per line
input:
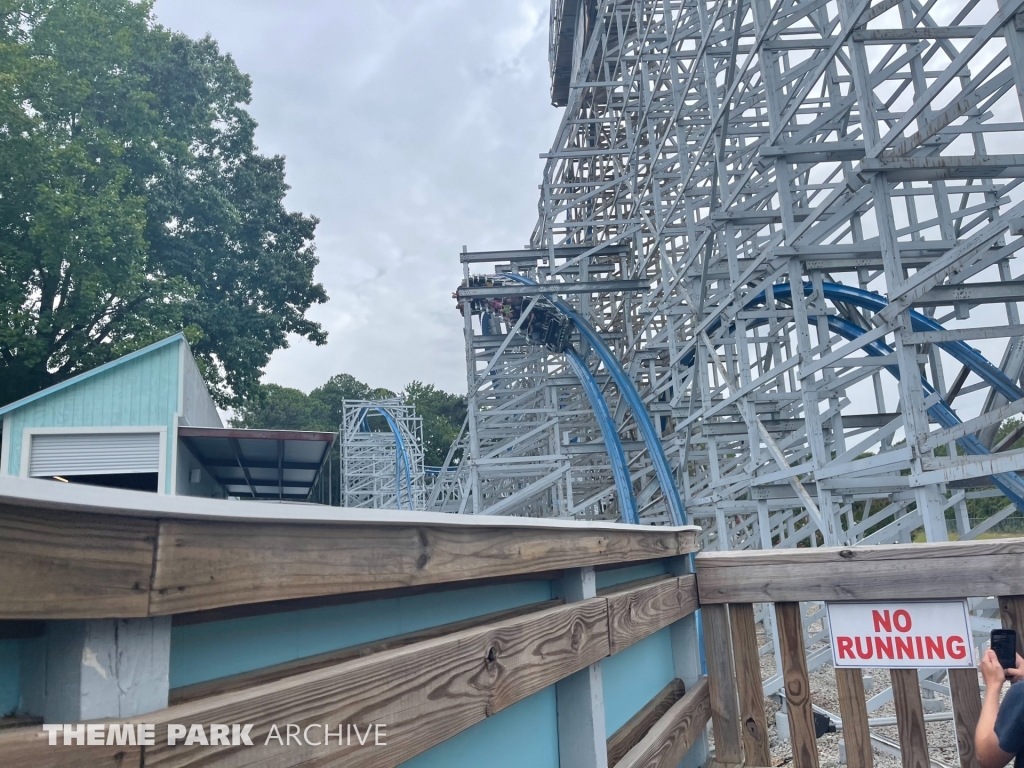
[710,156]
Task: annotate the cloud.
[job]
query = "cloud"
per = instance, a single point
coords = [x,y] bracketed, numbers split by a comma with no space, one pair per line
[410,129]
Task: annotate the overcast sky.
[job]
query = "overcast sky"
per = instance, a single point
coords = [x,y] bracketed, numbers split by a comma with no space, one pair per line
[410,128]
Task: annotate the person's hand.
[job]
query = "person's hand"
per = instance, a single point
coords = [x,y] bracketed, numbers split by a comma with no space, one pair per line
[992,671]
[1016,674]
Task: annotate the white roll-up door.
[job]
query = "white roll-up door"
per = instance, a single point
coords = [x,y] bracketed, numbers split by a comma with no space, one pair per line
[106,453]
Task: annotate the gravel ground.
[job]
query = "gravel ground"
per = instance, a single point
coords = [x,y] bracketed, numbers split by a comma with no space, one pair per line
[941,735]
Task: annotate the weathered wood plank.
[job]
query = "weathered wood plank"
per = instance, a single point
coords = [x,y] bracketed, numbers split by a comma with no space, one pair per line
[753,724]
[797,686]
[70,565]
[669,739]
[245,680]
[28,748]
[1011,611]
[633,614]
[966,694]
[425,693]
[725,713]
[854,711]
[202,565]
[906,695]
[885,572]
[634,729]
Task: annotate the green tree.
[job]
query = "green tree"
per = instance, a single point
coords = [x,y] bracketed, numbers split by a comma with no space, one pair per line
[345,387]
[982,509]
[276,407]
[442,413]
[134,202]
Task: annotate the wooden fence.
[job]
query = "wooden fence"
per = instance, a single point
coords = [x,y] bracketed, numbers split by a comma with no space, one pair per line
[427,686]
[63,563]
[729,584]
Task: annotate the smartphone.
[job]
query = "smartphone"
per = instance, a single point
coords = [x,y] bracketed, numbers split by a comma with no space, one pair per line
[1004,644]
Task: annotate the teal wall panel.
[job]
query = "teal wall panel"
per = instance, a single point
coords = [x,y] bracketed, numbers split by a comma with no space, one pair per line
[141,392]
[630,573]
[202,652]
[633,677]
[523,736]
[10,676]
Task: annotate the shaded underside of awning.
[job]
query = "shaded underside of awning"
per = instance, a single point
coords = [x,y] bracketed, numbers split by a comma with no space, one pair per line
[260,463]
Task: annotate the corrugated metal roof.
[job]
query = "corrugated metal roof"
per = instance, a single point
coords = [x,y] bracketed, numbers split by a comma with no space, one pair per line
[89,374]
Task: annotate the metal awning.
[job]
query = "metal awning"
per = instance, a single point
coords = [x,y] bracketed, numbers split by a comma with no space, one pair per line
[260,463]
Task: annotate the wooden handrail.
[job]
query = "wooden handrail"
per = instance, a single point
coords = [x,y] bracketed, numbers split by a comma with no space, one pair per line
[887,572]
[132,565]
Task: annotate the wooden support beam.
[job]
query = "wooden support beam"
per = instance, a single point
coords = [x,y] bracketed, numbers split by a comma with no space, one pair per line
[725,713]
[1011,611]
[634,729]
[237,450]
[885,572]
[797,685]
[671,737]
[64,565]
[966,694]
[854,711]
[425,693]
[635,613]
[753,724]
[906,695]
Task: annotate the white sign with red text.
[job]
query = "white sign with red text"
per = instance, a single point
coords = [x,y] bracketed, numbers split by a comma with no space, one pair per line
[905,634]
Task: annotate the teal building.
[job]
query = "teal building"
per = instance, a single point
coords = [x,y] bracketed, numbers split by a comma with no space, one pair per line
[116,425]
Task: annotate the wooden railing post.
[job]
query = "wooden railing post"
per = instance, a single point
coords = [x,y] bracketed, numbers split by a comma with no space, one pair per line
[854,711]
[753,725]
[906,695]
[725,714]
[797,685]
[966,695]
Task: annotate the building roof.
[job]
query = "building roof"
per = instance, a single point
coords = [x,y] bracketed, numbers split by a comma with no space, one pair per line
[260,463]
[178,337]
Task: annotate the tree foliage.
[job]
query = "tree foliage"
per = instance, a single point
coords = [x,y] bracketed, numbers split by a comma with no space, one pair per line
[134,202]
[276,407]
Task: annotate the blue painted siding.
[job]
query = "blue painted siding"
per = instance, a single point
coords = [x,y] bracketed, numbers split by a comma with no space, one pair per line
[523,736]
[141,392]
[10,676]
[633,677]
[201,652]
[630,573]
